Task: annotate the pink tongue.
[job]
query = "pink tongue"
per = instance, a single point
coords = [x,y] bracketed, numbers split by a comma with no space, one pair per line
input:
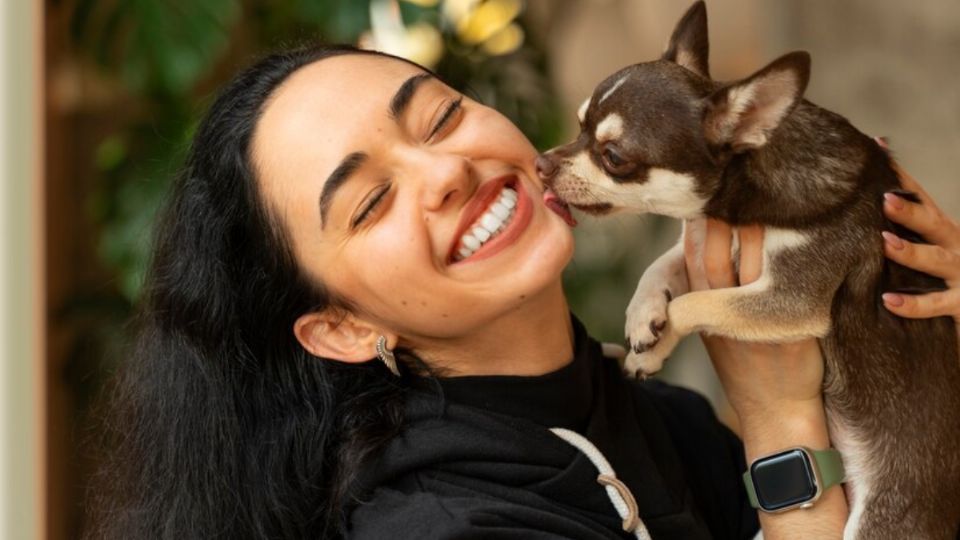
[559,207]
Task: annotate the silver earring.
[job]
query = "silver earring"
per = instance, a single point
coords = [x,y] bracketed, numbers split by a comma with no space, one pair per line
[386,356]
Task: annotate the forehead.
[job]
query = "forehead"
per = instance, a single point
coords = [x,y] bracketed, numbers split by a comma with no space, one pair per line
[352,80]
[650,86]
[659,97]
[323,111]
[653,109]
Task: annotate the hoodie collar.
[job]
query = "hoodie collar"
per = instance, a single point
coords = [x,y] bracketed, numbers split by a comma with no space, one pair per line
[561,398]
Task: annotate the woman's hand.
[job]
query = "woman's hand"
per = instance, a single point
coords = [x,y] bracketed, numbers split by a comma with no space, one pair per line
[940,258]
[775,389]
[759,378]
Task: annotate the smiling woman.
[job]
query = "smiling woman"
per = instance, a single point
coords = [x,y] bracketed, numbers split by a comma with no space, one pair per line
[418,185]
[338,206]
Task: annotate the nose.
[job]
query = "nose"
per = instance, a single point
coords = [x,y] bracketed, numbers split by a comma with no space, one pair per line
[447,177]
[546,166]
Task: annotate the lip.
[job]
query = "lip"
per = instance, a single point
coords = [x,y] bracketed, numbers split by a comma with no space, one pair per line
[484,197]
[596,209]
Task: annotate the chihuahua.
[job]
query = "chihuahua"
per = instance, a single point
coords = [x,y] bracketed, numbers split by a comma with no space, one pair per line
[662,137]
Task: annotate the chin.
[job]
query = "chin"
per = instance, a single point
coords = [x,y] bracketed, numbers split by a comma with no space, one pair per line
[546,259]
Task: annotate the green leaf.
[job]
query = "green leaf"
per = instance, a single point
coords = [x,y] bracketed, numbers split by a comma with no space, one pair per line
[110,153]
[156,46]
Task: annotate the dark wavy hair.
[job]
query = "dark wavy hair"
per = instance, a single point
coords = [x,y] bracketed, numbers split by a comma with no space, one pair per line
[219,424]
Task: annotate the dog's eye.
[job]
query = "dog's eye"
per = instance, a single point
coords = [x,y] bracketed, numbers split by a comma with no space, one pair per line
[612,160]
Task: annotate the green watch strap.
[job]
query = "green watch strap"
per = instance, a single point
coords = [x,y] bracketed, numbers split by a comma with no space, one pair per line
[831,467]
[828,462]
[751,490]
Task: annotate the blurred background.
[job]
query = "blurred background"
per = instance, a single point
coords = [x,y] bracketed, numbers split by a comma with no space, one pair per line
[98,100]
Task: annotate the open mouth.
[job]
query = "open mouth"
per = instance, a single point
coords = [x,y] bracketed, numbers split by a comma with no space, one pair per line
[495,212]
[558,206]
[594,209]
[494,220]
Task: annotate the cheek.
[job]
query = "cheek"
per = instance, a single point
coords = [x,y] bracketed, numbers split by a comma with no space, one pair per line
[389,254]
[492,135]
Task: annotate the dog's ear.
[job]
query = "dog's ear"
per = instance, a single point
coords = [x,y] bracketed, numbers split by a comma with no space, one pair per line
[744,114]
[689,45]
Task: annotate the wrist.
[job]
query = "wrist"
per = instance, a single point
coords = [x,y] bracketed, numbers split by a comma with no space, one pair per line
[781,425]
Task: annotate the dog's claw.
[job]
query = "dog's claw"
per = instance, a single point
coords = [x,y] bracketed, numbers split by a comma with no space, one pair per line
[646,329]
[642,347]
[656,328]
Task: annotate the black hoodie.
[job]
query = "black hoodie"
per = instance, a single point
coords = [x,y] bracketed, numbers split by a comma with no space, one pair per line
[477,459]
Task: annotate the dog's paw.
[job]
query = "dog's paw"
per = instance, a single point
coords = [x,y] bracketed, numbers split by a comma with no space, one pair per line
[642,365]
[646,320]
[641,362]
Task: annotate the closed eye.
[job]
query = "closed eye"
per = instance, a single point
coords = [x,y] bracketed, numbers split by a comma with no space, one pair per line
[448,114]
[372,203]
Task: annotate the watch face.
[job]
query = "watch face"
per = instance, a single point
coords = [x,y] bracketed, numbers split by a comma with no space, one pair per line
[783,480]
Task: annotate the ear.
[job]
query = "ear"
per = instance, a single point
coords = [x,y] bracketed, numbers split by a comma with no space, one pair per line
[338,336]
[689,45]
[745,113]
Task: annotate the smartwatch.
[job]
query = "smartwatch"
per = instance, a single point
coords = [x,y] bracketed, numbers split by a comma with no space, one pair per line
[792,478]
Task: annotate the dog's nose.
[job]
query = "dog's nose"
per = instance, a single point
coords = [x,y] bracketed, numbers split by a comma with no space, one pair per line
[546,167]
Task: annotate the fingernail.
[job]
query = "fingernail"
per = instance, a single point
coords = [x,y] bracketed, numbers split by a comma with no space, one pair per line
[882,141]
[894,201]
[893,299]
[892,240]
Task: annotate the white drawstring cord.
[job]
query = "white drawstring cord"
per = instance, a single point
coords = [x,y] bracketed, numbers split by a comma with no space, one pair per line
[619,495]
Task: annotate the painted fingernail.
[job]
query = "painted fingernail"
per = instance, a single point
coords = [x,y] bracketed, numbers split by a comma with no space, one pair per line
[892,240]
[894,201]
[893,299]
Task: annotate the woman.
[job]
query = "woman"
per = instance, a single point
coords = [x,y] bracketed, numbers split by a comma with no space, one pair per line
[318,224]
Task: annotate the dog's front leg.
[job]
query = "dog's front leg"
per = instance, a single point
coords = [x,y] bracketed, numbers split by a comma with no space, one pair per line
[662,281]
[647,319]
[753,312]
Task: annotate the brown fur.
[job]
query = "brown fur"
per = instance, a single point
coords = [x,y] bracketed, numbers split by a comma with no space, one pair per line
[755,152]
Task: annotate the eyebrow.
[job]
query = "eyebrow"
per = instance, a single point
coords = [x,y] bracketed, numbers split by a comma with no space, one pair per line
[337,178]
[405,93]
[349,165]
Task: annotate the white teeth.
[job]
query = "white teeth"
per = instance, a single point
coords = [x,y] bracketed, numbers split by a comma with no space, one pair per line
[471,242]
[482,234]
[492,221]
[500,210]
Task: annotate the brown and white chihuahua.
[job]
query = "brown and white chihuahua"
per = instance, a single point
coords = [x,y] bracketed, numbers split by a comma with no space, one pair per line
[662,137]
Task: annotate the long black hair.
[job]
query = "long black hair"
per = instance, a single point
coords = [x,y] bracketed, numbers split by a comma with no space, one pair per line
[221,425]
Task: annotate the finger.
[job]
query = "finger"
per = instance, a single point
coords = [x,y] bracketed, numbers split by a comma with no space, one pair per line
[922,306]
[933,260]
[909,182]
[751,253]
[906,179]
[926,217]
[923,218]
[716,255]
[694,232]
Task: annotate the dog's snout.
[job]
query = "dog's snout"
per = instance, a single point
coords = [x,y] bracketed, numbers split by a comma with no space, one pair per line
[546,166]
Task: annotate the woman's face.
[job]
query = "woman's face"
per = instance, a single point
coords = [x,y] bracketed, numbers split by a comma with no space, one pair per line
[380,173]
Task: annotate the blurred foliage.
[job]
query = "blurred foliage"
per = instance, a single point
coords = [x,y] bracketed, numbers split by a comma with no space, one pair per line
[156,47]
[165,57]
